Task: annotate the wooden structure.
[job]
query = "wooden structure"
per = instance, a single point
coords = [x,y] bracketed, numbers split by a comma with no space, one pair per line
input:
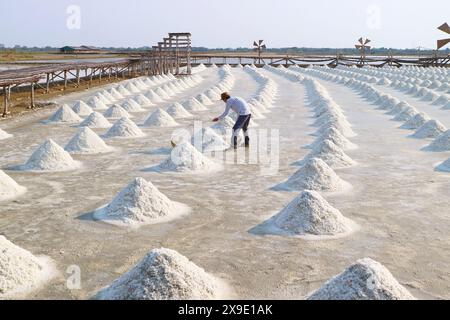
[259,47]
[362,46]
[171,55]
[246,58]
[45,76]
[441,43]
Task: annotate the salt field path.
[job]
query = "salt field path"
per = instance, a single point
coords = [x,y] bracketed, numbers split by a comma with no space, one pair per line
[398,200]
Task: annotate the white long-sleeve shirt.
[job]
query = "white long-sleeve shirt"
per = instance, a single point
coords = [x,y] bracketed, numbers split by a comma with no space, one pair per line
[238,105]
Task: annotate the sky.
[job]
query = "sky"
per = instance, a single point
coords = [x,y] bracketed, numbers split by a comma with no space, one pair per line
[224,24]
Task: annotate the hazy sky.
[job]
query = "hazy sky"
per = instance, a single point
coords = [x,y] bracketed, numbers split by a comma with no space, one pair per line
[227,23]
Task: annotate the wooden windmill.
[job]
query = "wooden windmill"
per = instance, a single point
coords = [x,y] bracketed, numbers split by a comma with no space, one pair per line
[445,28]
[258,47]
[362,46]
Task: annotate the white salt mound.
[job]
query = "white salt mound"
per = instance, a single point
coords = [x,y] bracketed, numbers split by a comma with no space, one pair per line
[4,135]
[336,137]
[82,109]
[204,99]
[116,112]
[444,166]
[315,175]
[124,128]
[194,105]
[364,280]
[9,188]
[140,203]
[50,157]
[441,143]
[97,104]
[207,140]
[176,110]
[431,129]
[310,214]
[65,115]
[185,158]
[334,156]
[132,106]
[96,120]
[160,118]
[224,126]
[164,274]
[20,271]
[86,141]
[416,122]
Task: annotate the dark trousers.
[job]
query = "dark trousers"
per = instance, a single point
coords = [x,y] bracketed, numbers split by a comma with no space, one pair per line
[242,122]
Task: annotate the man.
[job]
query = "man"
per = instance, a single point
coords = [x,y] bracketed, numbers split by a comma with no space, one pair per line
[241,108]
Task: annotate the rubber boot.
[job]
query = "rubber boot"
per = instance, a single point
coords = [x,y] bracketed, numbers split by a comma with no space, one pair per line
[247,142]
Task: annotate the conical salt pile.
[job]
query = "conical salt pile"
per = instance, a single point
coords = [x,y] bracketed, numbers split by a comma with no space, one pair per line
[364,280]
[168,90]
[310,214]
[160,118]
[163,94]
[116,112]
[336,137]
[441,143]
[164,274]
[194,105]
[50,157]
[132,106]
[153,96]
[9,188]
[212,95]
[65,115]
[116,94]
[82,109]
[96,104]
[224,126]
[444,166]
[87,141]
[316,175]
[416,122]
[207,140]
[20,271]
[176,110]
[4,135]
[96,120]
[185,158]
[334,156]
[123,91]
[140,203]
[203,99]
[406,115]
[143,101]
[431,129]
[132,88]
[124,128]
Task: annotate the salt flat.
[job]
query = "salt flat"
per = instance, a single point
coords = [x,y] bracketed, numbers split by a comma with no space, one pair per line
[398,200]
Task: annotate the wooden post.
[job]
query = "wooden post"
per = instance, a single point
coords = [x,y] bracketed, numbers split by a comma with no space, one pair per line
[65,79]
[5,102]
[100,77]
[32,104]
[47,84]
[90,78]
[78,77]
